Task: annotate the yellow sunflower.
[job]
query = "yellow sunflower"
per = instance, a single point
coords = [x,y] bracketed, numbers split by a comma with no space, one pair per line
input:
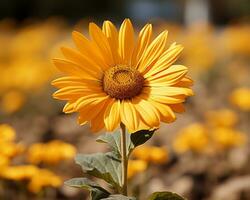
[114,78]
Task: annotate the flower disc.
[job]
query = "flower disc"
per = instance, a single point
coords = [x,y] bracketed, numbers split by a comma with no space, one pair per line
[122,82]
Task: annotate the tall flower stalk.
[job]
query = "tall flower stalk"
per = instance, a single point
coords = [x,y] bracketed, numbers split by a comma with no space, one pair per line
[124,160]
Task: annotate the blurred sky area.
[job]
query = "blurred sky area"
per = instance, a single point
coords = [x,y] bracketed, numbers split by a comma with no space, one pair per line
[218,12]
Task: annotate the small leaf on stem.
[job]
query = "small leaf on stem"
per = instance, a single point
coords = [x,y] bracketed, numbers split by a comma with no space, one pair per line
[113,140]
[140,137]
[132,140]
[96,191]
[102,165]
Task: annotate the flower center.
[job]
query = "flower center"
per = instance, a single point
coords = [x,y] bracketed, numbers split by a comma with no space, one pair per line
[122,82]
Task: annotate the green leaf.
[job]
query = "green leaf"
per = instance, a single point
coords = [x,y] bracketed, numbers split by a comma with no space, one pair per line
[133,140]
[140,137]
[119,197]
[102,165]
[165,196]
[113,140]
[96,191]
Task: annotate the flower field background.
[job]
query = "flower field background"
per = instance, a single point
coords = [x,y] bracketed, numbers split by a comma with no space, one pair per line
[203,155]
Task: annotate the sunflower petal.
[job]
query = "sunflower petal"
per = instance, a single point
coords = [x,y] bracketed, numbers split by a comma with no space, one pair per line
[142,44]
[126,41]
[102,42]
[169,91]
[143,126]
[73,69]
[112,115]
[185,82]
[87,48]
[166,113]
[165,60]
[91,111]
[168,100]
[147,112]
[72,92]
[82,60]
[129,116]
[69,107]
[170,73]
[168,77]
[112,35]
[74,81]
[178,108]
[153,52]
[86,100]
[97,123]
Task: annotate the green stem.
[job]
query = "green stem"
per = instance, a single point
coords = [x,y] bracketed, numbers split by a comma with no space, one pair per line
[124,159]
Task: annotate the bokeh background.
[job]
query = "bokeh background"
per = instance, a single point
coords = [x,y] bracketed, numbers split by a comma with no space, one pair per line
[204,155]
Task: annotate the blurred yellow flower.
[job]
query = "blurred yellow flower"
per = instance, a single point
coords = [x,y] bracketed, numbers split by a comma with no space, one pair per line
[28,74]
[25,66]
[135,167]
[200,46]
[44,178]
[4,161]
[43,36]
[37,177]
[222,117]
[7,146]
[51,152]
[12,101]
[151,154]
[241,98]
[225,138]
[236,40]
[17,173]
[10,149]
[7,133]
[191,138]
